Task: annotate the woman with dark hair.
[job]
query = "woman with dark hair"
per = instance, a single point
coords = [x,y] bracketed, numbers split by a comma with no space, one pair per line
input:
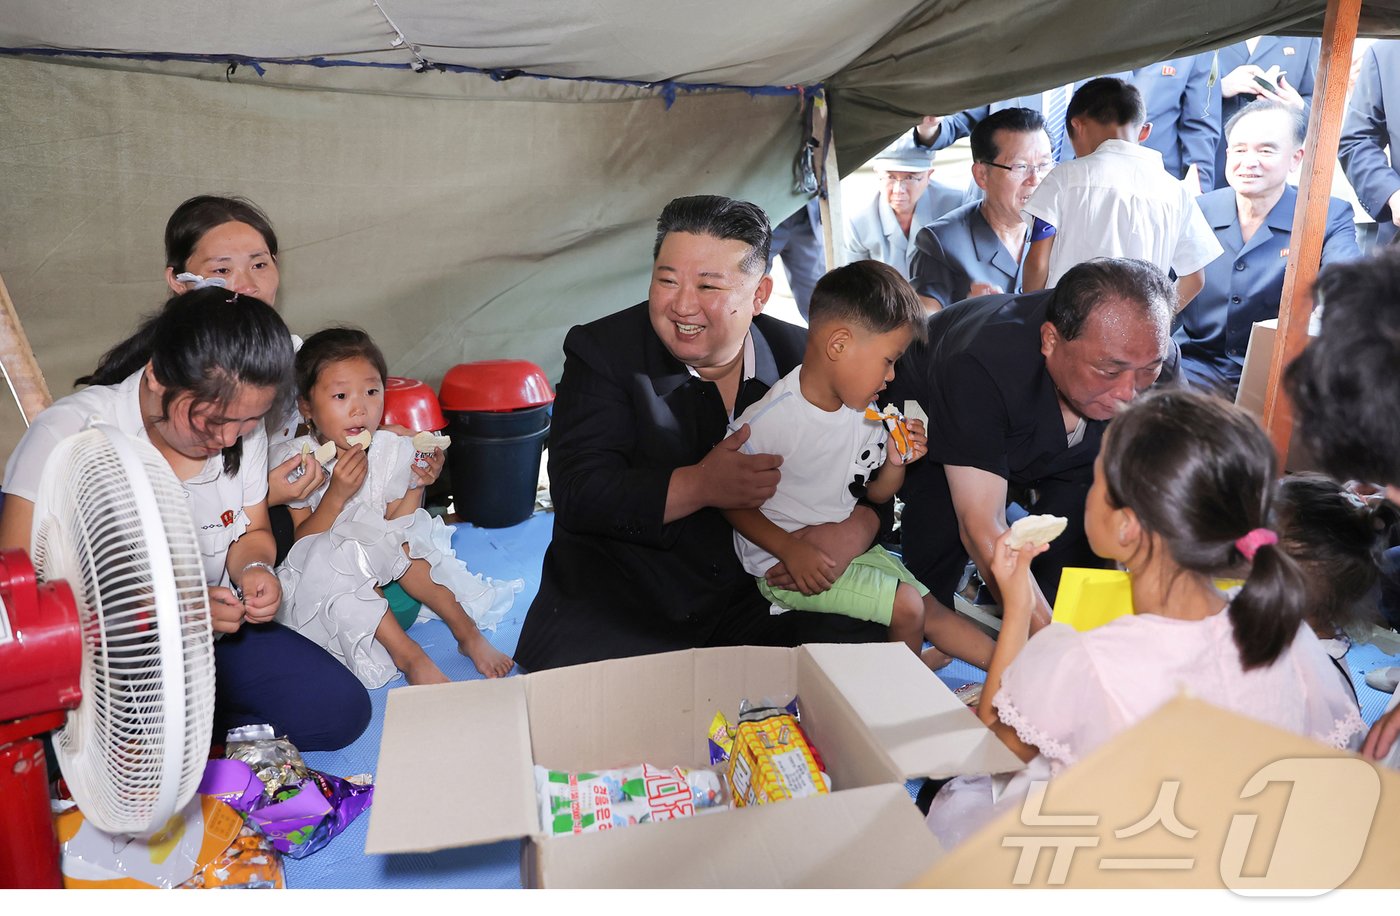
[1182,496]
[225,242]
[217,362]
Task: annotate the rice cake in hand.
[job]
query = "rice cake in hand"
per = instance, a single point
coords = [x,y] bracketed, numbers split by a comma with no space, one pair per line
[1036,529]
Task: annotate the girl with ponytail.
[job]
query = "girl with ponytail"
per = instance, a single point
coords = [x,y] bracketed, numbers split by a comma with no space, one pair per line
[1182,496]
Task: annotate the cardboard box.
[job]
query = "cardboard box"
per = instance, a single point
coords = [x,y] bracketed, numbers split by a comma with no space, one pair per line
[455,766]
[1254,385]
[1250,808]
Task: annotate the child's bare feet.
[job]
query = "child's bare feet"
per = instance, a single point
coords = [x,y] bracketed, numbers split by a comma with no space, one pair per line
[489,660]
[935,659]
[423,671]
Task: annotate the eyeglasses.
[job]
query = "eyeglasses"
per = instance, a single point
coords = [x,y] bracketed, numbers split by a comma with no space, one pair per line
[1022,169]
[904,178]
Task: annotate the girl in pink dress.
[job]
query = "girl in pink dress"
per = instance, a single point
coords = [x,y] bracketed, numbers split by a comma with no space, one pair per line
[1181,497]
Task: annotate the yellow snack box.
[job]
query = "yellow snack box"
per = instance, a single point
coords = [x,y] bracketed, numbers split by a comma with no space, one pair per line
[771,760]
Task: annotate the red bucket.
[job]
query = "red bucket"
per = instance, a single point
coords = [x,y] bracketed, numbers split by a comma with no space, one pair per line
[411,404]
[495,385]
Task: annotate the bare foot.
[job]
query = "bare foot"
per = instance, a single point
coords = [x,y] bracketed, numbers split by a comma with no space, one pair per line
[489,660]
[423,671]
[935,659]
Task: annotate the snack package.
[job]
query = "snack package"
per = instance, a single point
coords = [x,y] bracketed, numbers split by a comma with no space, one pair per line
[249,863]
[899,428]
[299,471]
[589,802]
[969,694]
[299,816]
[193,838]
[770,758]
[423,445]
[274,760]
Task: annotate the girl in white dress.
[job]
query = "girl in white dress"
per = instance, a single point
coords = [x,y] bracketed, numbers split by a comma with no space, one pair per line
[365,527]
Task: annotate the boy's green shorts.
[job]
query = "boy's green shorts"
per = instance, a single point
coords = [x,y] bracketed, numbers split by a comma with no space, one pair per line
[865,590]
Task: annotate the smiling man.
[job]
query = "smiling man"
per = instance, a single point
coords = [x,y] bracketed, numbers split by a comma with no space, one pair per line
[640,467]
[979,248]
[1018,390]
[1253,221]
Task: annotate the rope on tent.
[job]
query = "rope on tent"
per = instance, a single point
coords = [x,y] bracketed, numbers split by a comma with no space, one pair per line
[667,89]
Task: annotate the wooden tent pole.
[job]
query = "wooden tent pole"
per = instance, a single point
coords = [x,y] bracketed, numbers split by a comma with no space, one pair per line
[17,360]
[833,225]
[1310,214]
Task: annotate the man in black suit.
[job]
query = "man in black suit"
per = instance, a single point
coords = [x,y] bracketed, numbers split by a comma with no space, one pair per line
[640,468]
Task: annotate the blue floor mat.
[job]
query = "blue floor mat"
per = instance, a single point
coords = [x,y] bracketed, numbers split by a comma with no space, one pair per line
[502,553]
[511,553]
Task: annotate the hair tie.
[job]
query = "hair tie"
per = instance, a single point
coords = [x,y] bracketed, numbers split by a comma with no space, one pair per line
[200,282]
[1250,543]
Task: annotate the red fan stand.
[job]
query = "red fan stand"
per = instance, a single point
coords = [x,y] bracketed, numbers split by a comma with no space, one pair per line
[41,655]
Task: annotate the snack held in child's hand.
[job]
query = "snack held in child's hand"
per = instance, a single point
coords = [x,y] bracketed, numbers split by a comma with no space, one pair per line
[325,452]
[1036,529]
[423,445]
[362,438]
[589,802]
[299,471]
[899,428]
[769,757]
[427,441]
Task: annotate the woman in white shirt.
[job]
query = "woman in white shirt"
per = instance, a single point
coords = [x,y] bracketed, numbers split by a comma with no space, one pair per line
[215,363]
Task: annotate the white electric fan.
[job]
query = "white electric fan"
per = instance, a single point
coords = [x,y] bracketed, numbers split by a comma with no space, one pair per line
[112,520]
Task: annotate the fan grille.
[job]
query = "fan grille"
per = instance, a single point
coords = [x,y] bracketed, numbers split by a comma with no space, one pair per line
[115,523]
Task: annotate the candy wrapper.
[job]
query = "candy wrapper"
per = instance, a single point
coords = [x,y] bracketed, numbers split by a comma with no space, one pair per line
[769,756]
[589,802]
[203,845]
[275,761]
[298,816]
[299,471]
[899,428]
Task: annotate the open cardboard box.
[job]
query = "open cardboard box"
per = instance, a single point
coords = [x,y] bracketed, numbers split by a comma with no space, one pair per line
[1256,810]
[455,766]
[1254,386]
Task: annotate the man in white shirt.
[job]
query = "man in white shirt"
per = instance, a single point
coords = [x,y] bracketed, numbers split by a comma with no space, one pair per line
[1116,199]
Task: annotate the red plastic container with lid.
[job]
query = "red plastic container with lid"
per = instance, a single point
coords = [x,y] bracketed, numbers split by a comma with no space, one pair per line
[495,385]
[411,404]
[498,417]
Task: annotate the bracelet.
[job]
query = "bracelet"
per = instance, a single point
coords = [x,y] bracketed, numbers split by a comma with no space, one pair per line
[257,564]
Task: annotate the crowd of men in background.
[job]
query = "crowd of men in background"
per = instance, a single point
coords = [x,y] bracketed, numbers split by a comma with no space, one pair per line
[954,244]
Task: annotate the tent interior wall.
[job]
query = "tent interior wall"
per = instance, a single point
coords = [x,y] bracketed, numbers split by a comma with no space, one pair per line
[481,210]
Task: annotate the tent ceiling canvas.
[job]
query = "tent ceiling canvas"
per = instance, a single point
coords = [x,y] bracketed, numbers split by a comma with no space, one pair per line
[477,209]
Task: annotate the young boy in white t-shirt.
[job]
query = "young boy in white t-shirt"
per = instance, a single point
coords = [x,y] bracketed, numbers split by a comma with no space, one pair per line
[1116,200]
[862,318]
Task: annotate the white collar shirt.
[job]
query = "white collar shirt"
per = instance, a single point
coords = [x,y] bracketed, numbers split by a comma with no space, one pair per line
[1120,202]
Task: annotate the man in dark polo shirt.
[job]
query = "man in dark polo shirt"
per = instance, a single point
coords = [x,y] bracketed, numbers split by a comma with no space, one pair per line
[1018,390]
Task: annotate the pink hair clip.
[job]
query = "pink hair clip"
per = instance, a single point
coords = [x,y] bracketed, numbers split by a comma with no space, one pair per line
[1249,544]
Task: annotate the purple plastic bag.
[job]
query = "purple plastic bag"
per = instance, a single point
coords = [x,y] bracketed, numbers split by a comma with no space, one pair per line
[299,819]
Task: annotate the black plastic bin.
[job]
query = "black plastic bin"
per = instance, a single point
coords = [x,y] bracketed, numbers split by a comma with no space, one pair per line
[498,417]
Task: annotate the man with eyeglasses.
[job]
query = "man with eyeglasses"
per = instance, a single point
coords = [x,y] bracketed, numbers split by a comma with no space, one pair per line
[978,249]
[906,201]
